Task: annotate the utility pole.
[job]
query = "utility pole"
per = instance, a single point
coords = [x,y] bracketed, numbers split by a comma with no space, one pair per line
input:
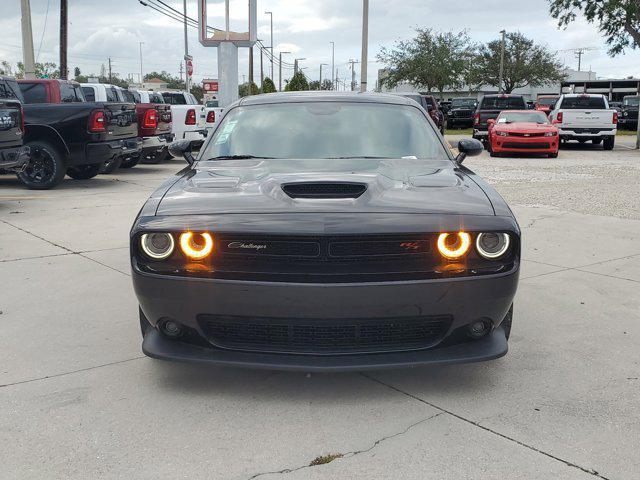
[333,65]
[353,74]
[109,69]
[261,70]
[64,69]
[186,46]
[27,42]
[296,67]
[250,64]
[141,75]
[271,46]
[335,81]
[504,33]
[365,45]
[320,87]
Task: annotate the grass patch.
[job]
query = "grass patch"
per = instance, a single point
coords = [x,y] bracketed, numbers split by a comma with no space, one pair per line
[459,131]
[625,133]
[325,459]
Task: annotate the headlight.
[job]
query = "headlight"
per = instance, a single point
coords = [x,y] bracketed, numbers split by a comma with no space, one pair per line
[502,134]
[625,114]
[550,134]
[157,245]
[492,245]
[196,245]
[453,245]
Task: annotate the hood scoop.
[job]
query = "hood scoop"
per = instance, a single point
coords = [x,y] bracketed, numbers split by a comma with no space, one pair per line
[324,189]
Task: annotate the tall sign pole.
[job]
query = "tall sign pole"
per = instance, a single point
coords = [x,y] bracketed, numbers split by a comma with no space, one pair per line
[187,57]
[501,74]
[365,45]
[27,41]
[64,69]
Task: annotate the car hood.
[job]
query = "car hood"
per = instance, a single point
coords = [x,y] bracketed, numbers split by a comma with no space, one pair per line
[392,186]
[524,127]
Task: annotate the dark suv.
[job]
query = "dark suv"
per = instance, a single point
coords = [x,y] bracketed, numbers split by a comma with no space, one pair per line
[461,112]
[629,115]
[489,109]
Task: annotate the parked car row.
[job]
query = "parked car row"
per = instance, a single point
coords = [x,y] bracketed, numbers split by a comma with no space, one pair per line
[50,128]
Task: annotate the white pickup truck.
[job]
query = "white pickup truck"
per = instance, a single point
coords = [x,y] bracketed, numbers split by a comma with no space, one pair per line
[191,121]
[584,117]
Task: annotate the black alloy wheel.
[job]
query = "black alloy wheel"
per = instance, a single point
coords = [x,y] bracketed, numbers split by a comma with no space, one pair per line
[45,168]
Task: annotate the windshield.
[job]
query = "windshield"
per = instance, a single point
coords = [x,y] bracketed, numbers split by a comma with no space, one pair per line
[517,117]
[174,98]
[502,103]
[325,130]
[631,101]
[582,102]
[464,102]
[547,101]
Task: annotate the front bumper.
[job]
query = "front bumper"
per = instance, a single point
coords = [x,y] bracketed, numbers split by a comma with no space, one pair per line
[464,299]
[104,151]
[14,159]
[525,144]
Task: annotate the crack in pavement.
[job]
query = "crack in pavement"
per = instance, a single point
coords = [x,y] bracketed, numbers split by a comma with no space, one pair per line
[568,463]
[8,260]
[72,372]
[352,453]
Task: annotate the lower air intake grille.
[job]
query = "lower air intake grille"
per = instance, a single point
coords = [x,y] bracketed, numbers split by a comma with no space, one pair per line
[324,189]
[525,146]
[323,337]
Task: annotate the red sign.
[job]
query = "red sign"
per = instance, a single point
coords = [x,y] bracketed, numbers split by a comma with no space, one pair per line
[210,86]
[189,68]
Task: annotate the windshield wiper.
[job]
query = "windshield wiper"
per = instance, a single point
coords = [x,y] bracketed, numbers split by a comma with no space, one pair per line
[236,157]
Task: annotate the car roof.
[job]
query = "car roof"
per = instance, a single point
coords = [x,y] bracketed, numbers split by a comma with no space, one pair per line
[326,96]
[503,95]
[521,111]
[583,95]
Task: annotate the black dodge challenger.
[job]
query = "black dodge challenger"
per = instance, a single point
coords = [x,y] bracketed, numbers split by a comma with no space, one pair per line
[326,231]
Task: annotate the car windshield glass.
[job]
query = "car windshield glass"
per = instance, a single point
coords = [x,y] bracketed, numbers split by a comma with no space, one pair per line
[547,101]
[463,102]
[632,101]
[112,94]
[70,93]
[325,130]
[34,92]
[174,98]
[516,117]
[583,102]
[129,96]
[502,103]
[155,98]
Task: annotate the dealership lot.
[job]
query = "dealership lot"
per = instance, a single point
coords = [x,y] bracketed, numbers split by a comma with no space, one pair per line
[81,401]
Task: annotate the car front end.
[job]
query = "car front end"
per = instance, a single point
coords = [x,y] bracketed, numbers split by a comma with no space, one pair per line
[539,141]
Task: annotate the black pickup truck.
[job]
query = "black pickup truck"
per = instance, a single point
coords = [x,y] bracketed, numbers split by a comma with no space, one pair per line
[490,107]
[68,135]
[13,156]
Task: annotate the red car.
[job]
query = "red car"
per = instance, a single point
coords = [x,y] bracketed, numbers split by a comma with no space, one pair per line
[545,103]
[523,131]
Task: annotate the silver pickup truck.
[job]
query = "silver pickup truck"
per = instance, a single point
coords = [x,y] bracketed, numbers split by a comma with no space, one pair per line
[585,117]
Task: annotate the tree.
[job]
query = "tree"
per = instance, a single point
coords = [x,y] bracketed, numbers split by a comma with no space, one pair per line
[430,61]
[268,86]
[43,70]
[170,80]
[297,83]
[198,92]
[76,72]
[314,85]
[617,20]
[327,84]
[248,88]
[525,64]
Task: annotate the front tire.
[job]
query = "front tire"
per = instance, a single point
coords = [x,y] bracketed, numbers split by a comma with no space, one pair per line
[84,172]
[609,142]
[45,168]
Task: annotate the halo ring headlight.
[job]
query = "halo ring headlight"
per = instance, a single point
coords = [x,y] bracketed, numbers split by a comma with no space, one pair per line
[157,246]
[492,245]
[196,245]
[458,248]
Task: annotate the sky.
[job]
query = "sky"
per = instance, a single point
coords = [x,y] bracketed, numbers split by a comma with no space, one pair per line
[100,29]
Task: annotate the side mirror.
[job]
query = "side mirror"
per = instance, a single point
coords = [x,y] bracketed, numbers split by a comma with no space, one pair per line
[182,148]
[469,147]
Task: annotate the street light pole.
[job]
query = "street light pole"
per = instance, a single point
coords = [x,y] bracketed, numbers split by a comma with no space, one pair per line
[333,65]
[365,45]
[271,46]
[504,33]
[296,67]
[320,87]
[186,49]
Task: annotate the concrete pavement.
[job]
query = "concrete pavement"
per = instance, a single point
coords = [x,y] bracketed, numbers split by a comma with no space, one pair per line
[81,401]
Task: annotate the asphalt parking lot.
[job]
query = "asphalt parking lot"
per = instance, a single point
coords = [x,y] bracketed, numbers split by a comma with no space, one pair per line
[80,401]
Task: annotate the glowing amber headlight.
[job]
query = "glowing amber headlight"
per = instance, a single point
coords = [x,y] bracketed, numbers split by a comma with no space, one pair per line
[196,245]
[453,245]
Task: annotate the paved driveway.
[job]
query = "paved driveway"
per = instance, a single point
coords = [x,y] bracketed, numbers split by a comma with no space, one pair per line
[80,401]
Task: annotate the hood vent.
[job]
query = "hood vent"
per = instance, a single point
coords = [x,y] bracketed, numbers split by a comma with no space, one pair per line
[324,189]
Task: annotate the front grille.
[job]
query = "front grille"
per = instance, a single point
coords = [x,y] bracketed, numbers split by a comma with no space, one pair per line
[324,189]
[322,336]
[382,247]
[520,134]
[462,114]
[523,145]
